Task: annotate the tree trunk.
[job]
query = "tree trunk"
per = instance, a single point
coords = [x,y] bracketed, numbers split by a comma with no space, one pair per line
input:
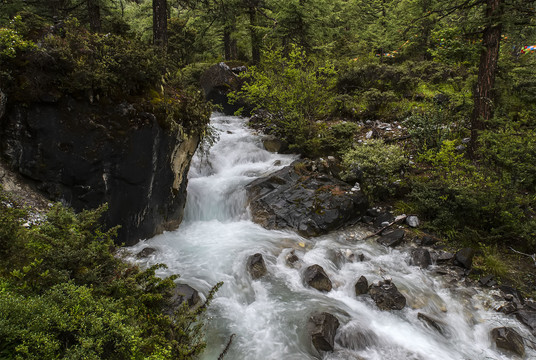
[229,44]
[489,57]
[160,23]
[94,15]
[255,39]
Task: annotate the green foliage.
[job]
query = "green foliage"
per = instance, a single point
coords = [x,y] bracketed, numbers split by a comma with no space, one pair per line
[379,166]
[459,196]
[296,93]
[109,65]
[429,129]
[65,295]
[490,261]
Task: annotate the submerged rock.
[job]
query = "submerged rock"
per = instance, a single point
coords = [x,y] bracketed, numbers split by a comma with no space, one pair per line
[386,296]
[274,144]
[508,339]
[316,277]
[308,202]
[256,266]
[146,252]
[323,327]
[433,323]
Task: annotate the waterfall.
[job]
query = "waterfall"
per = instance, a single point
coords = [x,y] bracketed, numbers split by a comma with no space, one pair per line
[269,316]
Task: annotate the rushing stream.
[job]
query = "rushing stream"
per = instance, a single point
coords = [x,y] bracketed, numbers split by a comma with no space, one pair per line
[269,316]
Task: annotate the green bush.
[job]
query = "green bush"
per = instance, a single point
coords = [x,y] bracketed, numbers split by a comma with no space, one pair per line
[65,295]
[377,165]
[294,91]
[473,201]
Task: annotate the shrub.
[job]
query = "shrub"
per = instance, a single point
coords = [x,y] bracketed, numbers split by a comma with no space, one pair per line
[64,295]
[457,195]
[379,166]
[295,92]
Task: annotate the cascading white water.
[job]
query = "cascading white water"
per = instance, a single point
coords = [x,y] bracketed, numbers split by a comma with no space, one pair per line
[269,316]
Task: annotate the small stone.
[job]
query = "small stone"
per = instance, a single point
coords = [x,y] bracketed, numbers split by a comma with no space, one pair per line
[464,258]
[361,286]
[323,327]
[386,296]
[256,266]
[369,135]
[412,221]
[145,253]
[316,277]
[292,259]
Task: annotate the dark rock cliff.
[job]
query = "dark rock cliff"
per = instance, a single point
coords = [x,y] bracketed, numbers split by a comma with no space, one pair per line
[85,155]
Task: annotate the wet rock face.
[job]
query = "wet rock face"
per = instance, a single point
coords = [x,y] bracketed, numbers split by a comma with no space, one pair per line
[316,277]
[85,155]
[323,327]
[308,202]
[256,266]
[508,339]
[386,296]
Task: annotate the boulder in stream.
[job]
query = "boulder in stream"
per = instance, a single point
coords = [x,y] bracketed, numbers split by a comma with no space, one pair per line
[309,202]
[393,238]
[421,257]
[323,327]
[508,339]
[182,293]
[386,296]
[256,266]
[361,286]
[316,277]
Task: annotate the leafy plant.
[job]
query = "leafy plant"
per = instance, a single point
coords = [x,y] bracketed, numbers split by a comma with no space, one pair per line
[295,92]
[379,166]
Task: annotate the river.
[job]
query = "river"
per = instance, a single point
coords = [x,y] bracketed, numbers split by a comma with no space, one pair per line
[269,316]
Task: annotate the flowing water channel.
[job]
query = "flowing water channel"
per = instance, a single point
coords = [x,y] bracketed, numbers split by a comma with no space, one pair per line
[269,316]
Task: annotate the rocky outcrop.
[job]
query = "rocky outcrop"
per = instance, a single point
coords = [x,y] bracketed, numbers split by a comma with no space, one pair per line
[217,82]
[386,296]
[305,201]
[85,155]
[316,277]
[323,327]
